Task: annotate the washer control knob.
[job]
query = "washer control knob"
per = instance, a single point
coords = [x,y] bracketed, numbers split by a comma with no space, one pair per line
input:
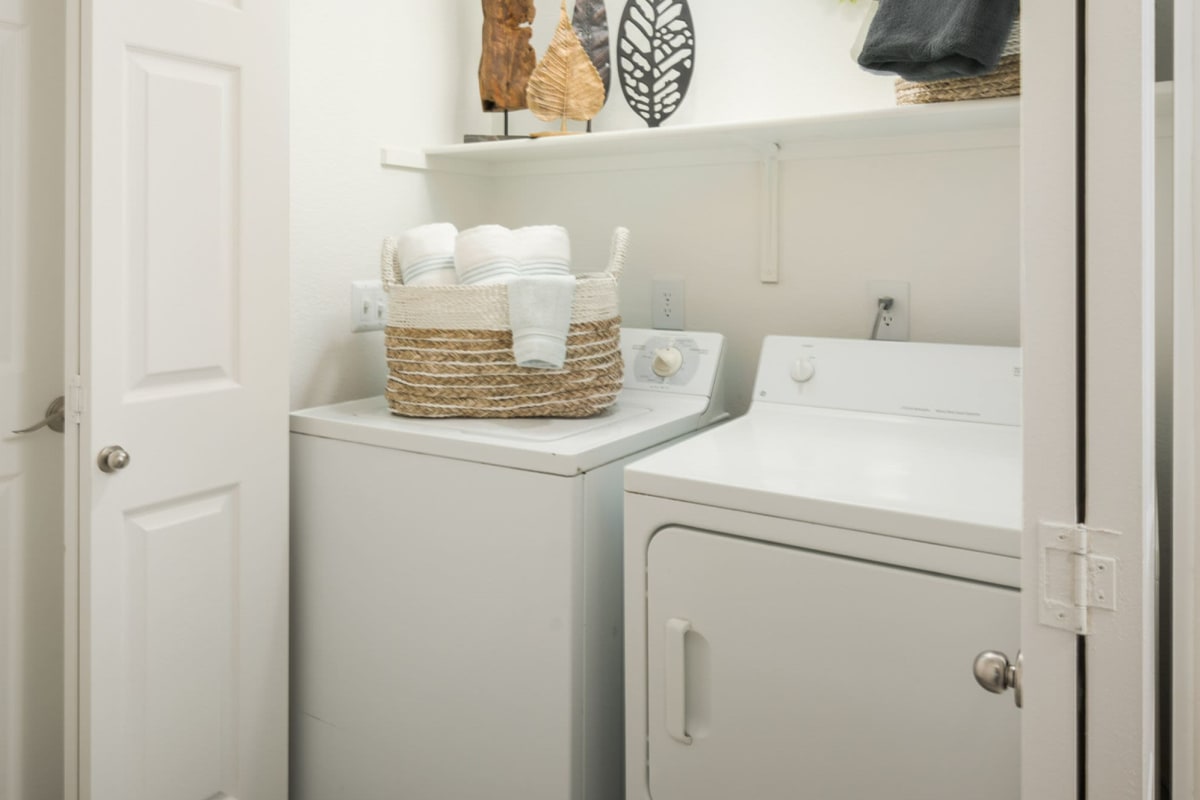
[667,361]
[803,370]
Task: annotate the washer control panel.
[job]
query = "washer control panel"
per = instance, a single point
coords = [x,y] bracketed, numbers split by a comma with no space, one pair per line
[682,362]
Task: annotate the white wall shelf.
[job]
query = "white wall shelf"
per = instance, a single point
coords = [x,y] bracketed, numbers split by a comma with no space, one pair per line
[940,126]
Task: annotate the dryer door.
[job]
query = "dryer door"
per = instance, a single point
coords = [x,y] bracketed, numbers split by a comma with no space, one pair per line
[782,673]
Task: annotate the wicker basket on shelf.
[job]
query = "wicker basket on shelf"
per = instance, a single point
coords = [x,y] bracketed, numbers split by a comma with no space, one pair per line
[1004,81]
[449,350]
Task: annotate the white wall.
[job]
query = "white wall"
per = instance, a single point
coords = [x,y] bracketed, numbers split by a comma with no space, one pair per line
[32,208]
[365,73]
[370,73]
[944,221]
[754,60]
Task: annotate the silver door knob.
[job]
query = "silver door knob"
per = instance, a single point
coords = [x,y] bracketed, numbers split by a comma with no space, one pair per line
[994,673]
[54,418]
[112,459]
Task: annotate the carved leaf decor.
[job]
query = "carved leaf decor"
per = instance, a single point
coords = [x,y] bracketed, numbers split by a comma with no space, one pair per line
[591,26]
[656,55]
[565,84]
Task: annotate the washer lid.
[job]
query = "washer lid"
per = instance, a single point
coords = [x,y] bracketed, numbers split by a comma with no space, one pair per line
[639,420]
[933,480]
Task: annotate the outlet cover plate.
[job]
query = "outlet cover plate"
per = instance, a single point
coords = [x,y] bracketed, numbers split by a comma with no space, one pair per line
[368,306]
[895,324]
[667,303]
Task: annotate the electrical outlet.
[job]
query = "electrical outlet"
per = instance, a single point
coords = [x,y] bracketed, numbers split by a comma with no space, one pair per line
[893,325]
[666,304]
[368,306]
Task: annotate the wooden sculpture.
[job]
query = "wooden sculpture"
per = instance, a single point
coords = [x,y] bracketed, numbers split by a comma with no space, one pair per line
[508,58]
[565,85]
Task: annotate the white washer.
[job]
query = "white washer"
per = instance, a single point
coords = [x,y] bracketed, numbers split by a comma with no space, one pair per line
[456,589]
[807,586]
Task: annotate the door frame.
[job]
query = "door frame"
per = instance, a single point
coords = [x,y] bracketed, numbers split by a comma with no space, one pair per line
[1184,777]
[71,436]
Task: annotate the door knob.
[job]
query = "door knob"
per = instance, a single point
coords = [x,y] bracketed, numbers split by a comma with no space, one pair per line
[112,459]
[55,419]
[994,673]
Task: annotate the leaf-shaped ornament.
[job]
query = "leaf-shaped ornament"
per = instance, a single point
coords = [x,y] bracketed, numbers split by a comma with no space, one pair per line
[565,84]
[656,55]
[590,21]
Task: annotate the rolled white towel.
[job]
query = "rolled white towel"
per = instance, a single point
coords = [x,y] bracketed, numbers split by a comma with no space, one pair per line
[539,311]
[544,250]
[486,254]
[427,255]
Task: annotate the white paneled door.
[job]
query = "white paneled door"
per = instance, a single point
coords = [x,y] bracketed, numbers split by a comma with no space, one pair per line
[182,353]
[31,319]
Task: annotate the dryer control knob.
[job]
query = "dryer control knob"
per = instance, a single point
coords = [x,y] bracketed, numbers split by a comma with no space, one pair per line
[803,370]
[667,361]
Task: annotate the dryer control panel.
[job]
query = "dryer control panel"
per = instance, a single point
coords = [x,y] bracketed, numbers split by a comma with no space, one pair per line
[968,383]
[681,362]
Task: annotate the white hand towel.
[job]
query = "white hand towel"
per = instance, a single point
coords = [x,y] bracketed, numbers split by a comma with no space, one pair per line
[544,250]
[539,311]
[487,254]
[427,255]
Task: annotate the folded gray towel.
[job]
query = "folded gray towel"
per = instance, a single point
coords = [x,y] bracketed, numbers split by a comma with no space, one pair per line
[932,40]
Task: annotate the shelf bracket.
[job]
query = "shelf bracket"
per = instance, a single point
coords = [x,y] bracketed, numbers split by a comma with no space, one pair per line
[769,268]
[401,158]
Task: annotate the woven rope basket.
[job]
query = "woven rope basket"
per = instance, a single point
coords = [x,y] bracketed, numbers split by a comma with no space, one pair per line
[1004,81]
[449,350]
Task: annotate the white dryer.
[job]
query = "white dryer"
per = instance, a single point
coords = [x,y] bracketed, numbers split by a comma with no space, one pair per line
[808,586]
[456,589]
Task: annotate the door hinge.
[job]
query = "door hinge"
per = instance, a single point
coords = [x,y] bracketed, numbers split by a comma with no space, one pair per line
[75,400]
[1074,577]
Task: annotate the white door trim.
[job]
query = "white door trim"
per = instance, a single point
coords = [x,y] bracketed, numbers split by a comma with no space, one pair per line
[1120,406]
[1048,336]
[71,442]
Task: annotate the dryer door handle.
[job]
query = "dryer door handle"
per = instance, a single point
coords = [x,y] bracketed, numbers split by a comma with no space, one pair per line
[675,685]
